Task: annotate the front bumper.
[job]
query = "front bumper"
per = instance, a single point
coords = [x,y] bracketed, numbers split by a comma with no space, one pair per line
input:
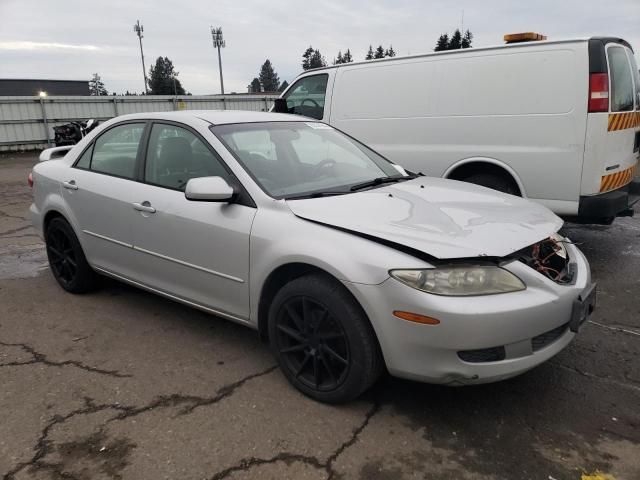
[603,208]
[523,328]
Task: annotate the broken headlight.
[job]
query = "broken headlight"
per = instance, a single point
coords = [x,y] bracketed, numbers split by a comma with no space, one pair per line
[460,281]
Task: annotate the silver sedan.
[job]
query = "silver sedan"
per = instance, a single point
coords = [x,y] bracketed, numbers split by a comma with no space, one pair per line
[344,262]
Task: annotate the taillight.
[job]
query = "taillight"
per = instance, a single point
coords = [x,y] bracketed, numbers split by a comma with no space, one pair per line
[30,180]
[598,92]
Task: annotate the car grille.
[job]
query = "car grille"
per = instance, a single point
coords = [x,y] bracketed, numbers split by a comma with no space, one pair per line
[493,354]
[546,338]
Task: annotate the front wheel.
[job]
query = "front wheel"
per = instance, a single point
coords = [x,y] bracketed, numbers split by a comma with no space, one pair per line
[323,340]
[66,258]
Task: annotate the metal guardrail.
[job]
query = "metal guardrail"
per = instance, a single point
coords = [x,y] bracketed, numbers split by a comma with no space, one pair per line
[26,123]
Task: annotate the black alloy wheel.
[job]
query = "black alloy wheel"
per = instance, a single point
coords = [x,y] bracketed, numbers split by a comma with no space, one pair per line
[66,258]
[312,343]
[323,340]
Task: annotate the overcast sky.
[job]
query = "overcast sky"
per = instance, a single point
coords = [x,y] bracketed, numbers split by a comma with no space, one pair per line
[72,39]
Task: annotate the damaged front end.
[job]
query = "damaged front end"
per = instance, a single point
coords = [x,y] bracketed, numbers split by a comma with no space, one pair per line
[550,258]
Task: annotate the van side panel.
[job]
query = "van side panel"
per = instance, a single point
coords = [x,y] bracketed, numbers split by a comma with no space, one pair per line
[525,107]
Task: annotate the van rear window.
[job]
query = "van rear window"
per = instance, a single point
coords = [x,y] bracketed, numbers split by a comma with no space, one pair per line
[636,75]
[622,91]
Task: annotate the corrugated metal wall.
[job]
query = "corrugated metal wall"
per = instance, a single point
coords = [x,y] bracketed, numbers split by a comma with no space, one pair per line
[26,123]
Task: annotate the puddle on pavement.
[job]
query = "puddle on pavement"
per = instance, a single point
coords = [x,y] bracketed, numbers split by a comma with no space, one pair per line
[22,261]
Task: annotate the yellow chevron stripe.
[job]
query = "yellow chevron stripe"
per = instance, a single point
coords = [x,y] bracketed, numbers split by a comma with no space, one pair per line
[622,121]
[617,180]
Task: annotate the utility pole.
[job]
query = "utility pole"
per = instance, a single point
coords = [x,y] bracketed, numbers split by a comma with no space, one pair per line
[139,29]
[218,42]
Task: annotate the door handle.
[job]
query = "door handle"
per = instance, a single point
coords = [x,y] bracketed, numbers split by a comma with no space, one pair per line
[70,185]
[144,207]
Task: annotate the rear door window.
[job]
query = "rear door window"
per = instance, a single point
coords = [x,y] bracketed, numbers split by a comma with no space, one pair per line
[115,151]
[306,96]
[636,77]
[622,89]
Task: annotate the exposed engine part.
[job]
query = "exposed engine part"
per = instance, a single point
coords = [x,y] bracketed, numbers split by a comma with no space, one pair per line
[550,258]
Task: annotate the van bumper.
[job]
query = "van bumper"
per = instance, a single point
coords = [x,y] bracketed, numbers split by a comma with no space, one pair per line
[605,207]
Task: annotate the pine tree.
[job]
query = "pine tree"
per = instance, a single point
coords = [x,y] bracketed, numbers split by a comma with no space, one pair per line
[390,52]
[369,54]
[268,77]
[379,52]
[163,78]
[283,86]
[347,58]
[254,86]
[96,87]
[316,60]
[306,58]
[442,43]
[339,60]
[467,39]
[456,40]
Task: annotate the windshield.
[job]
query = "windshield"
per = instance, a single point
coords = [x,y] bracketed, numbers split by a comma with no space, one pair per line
[297,159]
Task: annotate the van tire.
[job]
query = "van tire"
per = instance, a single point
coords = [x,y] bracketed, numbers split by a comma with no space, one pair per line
[501,183]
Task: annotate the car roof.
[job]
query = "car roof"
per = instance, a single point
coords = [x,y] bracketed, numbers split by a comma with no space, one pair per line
[217,117]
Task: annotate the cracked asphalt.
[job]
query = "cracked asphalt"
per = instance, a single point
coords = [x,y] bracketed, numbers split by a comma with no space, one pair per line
[122,384]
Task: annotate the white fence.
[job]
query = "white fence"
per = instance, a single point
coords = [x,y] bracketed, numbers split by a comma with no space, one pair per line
[26,123]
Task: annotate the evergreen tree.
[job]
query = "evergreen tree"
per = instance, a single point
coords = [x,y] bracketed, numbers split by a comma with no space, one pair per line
[306,58]
[283,86]
[268,77]
[96,87]
[442,43]
[163,78]
[339,60]
[379,52]
[347,58]
[456,40]
[254,86]
[390,52]
[317,60]
[467,39]
[369,54]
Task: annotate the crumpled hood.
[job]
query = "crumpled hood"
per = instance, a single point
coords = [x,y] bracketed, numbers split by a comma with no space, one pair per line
[443,218]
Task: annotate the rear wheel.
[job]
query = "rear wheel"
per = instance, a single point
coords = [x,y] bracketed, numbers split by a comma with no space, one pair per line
[501,183]
[66,258]
[322,339]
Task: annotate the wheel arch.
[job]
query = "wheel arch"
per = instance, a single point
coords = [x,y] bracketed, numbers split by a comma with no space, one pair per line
[279,277]
[468,166]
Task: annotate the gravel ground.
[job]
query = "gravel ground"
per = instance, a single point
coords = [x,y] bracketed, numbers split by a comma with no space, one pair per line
[124,384]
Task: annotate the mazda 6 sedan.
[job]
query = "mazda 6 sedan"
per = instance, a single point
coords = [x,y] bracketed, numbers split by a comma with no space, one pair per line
[344,262]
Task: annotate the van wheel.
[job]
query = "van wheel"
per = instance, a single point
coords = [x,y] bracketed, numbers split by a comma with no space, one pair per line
[66,258]
[501,183]
[322,340]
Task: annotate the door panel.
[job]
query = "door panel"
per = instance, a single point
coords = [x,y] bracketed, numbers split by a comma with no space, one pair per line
[99,192]
[198,251]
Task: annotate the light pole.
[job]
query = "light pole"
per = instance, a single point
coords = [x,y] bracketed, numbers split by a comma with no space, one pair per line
[218,42]
[139,29]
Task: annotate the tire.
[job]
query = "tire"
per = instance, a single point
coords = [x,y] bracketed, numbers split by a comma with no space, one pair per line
[323,340]
[500,183]
[66,258]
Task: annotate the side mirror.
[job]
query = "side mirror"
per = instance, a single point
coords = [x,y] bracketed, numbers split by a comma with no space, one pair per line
[209,189]
[280,105]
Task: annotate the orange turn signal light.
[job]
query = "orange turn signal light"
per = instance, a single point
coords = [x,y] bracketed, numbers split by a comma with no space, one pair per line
[416,317]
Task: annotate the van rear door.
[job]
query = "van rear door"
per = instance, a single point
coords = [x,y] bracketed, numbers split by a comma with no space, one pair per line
[613,121]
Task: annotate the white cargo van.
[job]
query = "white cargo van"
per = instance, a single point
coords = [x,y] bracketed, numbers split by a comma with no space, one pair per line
[554,121]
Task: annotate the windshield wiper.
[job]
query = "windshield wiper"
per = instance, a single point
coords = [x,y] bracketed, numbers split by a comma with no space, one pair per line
[379,181]
[326,193]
